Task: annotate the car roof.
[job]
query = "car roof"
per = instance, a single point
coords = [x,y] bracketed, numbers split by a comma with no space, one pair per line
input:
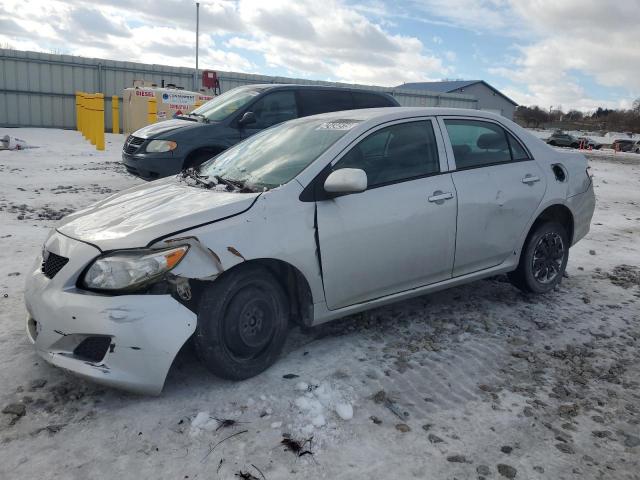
[393,113]
[301,86]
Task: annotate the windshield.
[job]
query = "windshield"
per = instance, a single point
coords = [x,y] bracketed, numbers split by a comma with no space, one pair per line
[276,155]
[224,105]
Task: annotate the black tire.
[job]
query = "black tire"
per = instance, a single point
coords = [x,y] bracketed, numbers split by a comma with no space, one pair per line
[575,145]
[543,259]
[243,319]
[196,159]
[552,143]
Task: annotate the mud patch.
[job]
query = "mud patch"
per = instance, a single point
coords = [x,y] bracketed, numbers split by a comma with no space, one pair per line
[625,276]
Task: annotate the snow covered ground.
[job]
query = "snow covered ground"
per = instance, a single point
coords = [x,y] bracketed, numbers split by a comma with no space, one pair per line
[477,381]
[607,139]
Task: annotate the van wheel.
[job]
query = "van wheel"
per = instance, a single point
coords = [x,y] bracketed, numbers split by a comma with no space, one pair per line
[242,323]
[543,259]
[196,159]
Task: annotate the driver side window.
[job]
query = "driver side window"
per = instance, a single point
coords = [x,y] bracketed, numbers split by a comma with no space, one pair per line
[273,108]
[396,153]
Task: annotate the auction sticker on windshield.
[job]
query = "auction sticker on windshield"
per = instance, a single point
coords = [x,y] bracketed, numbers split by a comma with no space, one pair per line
[338,125]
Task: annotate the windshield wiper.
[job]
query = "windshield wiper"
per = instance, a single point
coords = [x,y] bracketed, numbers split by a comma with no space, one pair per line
[186,117]
[238,185]
[199,179]
[199,115]
[229,183]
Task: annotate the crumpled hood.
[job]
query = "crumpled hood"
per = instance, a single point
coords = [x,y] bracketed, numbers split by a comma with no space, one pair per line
[164,126]
[135,217]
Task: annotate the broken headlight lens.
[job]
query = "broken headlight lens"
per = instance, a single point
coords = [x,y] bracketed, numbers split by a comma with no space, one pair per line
[131,269]
[160,146]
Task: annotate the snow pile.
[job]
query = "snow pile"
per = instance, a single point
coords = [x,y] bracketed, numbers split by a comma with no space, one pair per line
[12,143]
[319,401]
[203,421]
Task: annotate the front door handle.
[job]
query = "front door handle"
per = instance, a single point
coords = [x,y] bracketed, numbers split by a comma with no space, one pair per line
[440,196]
[529,179]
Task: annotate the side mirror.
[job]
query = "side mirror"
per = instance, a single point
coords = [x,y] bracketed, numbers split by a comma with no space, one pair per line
[346,180]
[247,119]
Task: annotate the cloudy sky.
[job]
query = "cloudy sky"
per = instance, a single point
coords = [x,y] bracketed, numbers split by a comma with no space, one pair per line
[570,53]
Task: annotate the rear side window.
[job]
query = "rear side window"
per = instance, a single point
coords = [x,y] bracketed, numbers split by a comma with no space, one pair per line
[517,152]
[476,143]
[313,102]
[275,107]
[396,153]
[370,100]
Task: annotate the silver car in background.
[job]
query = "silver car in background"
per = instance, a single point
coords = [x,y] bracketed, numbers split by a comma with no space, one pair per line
[305,222]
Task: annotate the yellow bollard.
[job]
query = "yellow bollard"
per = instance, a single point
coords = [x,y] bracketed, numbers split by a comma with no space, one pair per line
[115,114]
[78,111]
[83,126]
[92,118]
[85,114]
[152,110]
[100,121]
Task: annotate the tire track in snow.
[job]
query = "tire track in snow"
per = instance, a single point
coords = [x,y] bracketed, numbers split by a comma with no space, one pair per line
[448,379]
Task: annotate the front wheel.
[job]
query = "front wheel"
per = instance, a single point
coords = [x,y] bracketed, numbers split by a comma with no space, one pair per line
[242,323]
[543,259]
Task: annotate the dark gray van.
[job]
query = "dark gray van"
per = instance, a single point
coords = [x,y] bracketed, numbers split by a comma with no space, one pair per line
[165,148]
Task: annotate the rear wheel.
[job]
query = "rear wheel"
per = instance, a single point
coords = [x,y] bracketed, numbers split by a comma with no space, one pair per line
[543,259]
[242,323]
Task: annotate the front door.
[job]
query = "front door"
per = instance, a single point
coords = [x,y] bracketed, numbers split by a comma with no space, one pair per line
[271,109]
[499,188]
[397,235]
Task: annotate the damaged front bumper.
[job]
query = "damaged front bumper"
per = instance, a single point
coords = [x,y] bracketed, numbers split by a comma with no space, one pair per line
[123,341]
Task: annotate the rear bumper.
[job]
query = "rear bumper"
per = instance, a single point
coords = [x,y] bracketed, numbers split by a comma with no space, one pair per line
[582,206]
[143,333]
[151,168]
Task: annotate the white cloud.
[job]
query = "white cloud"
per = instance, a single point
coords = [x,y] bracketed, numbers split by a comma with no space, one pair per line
[328,40]
[475,15]
[116,29]
[554,44]
[557,43]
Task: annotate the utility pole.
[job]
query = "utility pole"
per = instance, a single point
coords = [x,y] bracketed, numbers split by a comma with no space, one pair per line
[195,77]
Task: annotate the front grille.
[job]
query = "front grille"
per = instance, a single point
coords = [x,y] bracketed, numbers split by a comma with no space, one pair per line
[92,349]
[132,145]
[53,264]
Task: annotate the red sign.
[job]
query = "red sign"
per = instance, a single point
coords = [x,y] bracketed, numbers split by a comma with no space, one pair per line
[145,93]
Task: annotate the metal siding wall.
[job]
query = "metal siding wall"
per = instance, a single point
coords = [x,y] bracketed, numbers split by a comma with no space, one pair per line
[487,100]
[38,89]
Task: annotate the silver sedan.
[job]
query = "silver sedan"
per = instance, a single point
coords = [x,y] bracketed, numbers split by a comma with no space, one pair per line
[308,221]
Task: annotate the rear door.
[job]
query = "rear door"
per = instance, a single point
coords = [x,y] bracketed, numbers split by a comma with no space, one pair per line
[397,235]
[499,188]
[313,102]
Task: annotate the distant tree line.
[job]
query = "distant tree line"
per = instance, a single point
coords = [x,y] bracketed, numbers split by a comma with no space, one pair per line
[605,119]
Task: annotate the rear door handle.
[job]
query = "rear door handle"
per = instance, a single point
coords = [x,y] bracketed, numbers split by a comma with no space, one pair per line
[439,196]
[529,179]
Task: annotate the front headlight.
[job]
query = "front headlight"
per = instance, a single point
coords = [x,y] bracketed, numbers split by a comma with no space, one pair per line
[160,146]
[131,269]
